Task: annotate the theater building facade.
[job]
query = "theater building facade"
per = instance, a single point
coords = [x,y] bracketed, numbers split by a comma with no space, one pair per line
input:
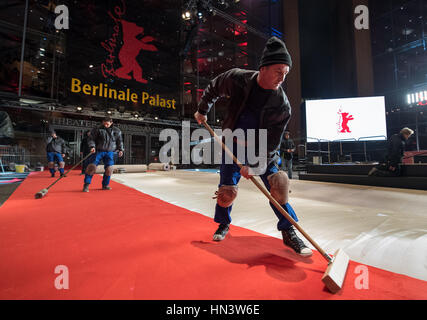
[144,63]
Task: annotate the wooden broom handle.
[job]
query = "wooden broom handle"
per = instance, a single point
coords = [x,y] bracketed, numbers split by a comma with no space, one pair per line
[269,196]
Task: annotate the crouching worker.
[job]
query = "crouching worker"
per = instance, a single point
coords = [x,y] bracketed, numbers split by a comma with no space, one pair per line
[103,142]
[394,157]
[55,153]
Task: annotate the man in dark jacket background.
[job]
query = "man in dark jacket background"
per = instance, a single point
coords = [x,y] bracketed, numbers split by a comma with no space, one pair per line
[287,148]
[256,101]
[55,149]
[85,150]
[103,142]
[395,152]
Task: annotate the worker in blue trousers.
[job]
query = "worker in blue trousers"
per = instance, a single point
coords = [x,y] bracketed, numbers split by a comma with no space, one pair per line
[55,149]
[257,102]
[103,142]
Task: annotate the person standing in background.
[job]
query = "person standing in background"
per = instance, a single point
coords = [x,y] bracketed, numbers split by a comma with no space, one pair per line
[287,149]
[55,149]
[85,150]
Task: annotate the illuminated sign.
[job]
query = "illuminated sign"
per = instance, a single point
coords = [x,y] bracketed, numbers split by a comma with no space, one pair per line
[123,62]
[102,90]
[346,119]
[420,98]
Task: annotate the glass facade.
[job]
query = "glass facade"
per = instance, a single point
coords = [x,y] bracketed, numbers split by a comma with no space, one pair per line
[399,46]
[138,61]
[222,37]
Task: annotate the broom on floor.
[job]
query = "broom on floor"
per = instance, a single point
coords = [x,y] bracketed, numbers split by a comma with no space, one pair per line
[44,192]
[333,278]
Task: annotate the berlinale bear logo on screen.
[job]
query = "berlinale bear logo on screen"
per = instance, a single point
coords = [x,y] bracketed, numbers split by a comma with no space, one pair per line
[343,121]
[133,44]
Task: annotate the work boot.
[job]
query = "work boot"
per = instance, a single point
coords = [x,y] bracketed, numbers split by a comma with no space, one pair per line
[291,240]
[222,231]
[372,172]
[106,188]
[86,187]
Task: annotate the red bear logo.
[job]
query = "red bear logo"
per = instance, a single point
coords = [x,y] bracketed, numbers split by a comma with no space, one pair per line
[343,121]
[131,48]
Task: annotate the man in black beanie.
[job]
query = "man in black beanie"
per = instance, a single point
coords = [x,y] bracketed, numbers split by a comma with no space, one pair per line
[256,101]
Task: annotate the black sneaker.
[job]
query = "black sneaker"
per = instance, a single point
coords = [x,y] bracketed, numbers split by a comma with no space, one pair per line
[52,175]
[222,231]
[106,188]
[291,240]
[62,175]
[86,187]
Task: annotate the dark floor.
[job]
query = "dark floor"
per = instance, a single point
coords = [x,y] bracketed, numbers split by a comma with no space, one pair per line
[6,189]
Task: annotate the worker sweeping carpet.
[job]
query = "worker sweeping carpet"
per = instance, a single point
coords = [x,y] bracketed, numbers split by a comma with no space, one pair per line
[123,244]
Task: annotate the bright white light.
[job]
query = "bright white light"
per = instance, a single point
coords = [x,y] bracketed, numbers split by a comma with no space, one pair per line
[422,96]
[188,14]
[409,98]
[366,118]
[413,98]
[417,97]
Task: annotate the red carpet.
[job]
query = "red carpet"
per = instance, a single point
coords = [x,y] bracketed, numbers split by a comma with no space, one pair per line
[122,244]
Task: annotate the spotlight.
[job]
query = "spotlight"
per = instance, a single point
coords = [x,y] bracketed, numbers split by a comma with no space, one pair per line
[156,118]
[109,112]
[186,15]
[78,108]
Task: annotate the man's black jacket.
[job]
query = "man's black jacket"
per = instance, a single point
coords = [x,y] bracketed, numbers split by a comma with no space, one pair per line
[395,149]
[235,85]
[106,139]
[84,146]
[285,146]
[55,145]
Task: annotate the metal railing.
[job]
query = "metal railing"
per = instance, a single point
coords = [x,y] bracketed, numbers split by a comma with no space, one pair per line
[10,155]
[320,152]
[364,144]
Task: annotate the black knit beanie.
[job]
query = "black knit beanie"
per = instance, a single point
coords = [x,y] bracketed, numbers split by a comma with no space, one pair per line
[275,52]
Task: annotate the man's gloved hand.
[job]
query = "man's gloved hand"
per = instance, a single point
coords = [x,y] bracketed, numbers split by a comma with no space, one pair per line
[200,117]
[92,150]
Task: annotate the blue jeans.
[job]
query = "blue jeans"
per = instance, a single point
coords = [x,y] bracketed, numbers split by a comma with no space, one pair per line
[230,176]
[107,158]
[55,157]
[287,166]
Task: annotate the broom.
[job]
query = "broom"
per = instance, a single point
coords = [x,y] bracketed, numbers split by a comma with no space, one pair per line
[44,192]
[333,278]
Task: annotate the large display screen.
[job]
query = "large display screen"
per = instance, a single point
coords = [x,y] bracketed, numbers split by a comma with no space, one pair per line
[352,119]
